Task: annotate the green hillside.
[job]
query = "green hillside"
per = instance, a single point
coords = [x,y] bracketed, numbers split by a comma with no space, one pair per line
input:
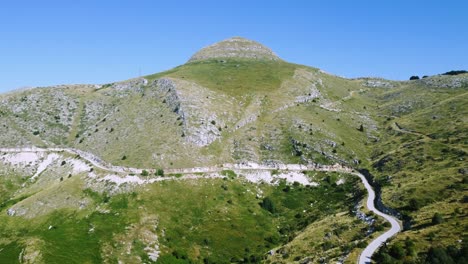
[217,109]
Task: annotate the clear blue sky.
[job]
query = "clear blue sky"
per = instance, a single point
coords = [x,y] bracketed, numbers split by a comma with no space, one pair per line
[57,42]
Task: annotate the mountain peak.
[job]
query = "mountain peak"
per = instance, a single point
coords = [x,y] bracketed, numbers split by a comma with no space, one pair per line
[235,47]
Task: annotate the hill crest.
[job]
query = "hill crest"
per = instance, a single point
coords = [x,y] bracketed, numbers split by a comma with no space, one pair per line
[235,47]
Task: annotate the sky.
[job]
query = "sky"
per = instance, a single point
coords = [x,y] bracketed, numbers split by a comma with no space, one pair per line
[46,42]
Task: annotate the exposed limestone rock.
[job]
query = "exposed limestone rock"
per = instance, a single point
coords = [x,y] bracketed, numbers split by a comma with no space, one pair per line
[235,47]
[45,112]
[11,212]
[374,83]
[124,88]
[172,96]
[126,245]
[195,104]
[446,81]
[302,88]
[31,253]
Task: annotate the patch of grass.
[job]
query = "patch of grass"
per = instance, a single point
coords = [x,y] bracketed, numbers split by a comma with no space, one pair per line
[9,253]
[6,204]
[229,173]
[235,77]
[175,175]
[71,237]
[223,224]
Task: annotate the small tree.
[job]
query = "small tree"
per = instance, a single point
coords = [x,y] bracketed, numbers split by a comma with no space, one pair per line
[437,219]
[268,205]
[397,251]
[414,204]
[438,255]
[144,173]
[159,172]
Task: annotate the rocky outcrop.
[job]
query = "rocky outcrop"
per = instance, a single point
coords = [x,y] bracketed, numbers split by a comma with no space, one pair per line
[375,83]
[31,252]
[171,95]
[125,88]
[197,107]
[453,82]
[235,47]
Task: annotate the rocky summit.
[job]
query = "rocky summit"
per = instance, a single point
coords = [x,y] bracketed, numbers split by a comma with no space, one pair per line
[236,157]
[235,47]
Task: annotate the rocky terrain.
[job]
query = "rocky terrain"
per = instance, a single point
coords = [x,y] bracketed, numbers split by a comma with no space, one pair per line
[235,47]
[188,165]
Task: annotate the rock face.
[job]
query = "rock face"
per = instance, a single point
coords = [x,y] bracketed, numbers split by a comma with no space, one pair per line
[197,115]
[235,47]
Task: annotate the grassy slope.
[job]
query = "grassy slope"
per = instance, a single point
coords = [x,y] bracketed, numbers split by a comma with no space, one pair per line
[424,164]
[421,165]
[224,217]
[108,120]
[234,77]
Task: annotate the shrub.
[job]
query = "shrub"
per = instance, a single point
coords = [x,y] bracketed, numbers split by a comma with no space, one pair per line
[159,172]
[327,245]
[454,72]
[414,204]
[124,157]
[397,251]
[268,205]
[438,255]
[379,228]
[144,173]
[414,77]
[228,173]
[362,244]
[437,219]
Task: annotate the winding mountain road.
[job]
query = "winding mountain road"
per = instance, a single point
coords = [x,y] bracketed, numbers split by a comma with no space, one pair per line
[366,254]
[372,247]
